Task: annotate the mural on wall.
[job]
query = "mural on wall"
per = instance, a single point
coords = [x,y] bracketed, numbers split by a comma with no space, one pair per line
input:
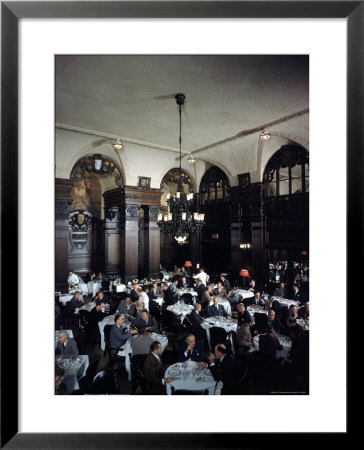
[86,195]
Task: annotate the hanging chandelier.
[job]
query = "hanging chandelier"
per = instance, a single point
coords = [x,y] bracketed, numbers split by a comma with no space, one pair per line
[180,220]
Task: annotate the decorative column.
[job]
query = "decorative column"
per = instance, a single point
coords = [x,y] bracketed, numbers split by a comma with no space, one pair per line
[112,239]
[63,188]
[128,201]
[153,243]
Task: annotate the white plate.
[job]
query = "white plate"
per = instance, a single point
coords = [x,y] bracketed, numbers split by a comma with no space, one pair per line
[174,372]
[207,372]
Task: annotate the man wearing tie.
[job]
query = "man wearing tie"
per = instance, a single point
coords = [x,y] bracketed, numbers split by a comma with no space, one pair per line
[192,350]
[154,370]
[222,369]
[147,322]
[298,295]
[216,309]
[219,290]
[66,347]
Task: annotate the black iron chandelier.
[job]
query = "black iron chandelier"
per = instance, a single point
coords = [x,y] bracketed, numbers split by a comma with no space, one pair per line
[180,220]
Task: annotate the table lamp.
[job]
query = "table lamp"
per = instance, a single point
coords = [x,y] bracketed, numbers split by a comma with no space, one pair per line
[188,264]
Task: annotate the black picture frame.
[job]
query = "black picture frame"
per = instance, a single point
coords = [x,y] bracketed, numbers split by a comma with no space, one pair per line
[11,12]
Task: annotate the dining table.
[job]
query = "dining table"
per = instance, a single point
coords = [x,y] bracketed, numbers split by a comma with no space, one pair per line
[187,376]
[222,322]
[180,309]
[129,352]
[64,298]
[286,301]
[244,293]
[95,286]
[284,340]
[304,323]
[74,369]
[257,309]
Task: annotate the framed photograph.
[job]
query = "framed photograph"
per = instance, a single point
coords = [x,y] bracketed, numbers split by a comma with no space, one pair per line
[27,186]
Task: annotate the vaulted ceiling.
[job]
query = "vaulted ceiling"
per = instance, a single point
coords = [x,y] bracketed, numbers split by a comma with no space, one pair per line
[229,99]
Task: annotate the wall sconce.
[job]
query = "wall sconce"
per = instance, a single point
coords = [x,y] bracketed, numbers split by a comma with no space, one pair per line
[117,145]
[245,246]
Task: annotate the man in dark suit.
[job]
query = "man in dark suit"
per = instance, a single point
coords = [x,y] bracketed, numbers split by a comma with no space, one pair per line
[225,283]
[253,286]
[280,291]
[196,320]
[75,302]
[92,277]
[304,311]
[205,298]
[200,289]
[222,368]
[216,309]
[219,290]
[183,283]
[127,307]
[271,320]
[269,343]
[169,297]
[298,296]
[66,347]
[147,322]
[119,335]
[154,370]
[275,305]
[191,349]
[101,297]
[140,345]
[243,314]
[96,315]
[134,292]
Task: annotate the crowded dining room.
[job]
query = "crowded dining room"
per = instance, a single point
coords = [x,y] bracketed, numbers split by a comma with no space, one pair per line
[182,225]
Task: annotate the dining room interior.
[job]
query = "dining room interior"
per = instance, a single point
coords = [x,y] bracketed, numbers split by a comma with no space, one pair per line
[181,224]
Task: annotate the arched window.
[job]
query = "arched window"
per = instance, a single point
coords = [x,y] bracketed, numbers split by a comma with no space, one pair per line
[169,184]
[214,186]
[287,172]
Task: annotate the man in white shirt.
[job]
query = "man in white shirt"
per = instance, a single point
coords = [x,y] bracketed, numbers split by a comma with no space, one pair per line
[143,297]
[201,276]
[72,278]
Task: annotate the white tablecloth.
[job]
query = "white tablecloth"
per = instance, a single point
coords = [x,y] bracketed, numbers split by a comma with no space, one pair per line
[94,287]
[128,350]
[252,310]
[159,300]
[180,310]
[119,287]
[86,307]
[305,324]
[225,304]
[284,340]
[74,372]
[190,382]
[66,298]
[227,324]
[244,294]
[285,301]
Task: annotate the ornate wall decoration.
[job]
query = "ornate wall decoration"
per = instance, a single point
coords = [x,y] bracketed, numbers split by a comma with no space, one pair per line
[144,182]
[153,212]
[97,164]
[80,224]
[62,208]
[131,211]
[110,214]
[141,198]
[172,176]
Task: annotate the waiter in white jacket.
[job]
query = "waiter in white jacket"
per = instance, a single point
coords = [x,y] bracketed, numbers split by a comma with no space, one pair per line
[201,276]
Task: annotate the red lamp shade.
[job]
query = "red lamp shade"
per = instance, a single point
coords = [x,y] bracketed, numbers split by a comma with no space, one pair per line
[244,273]
[188,264]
